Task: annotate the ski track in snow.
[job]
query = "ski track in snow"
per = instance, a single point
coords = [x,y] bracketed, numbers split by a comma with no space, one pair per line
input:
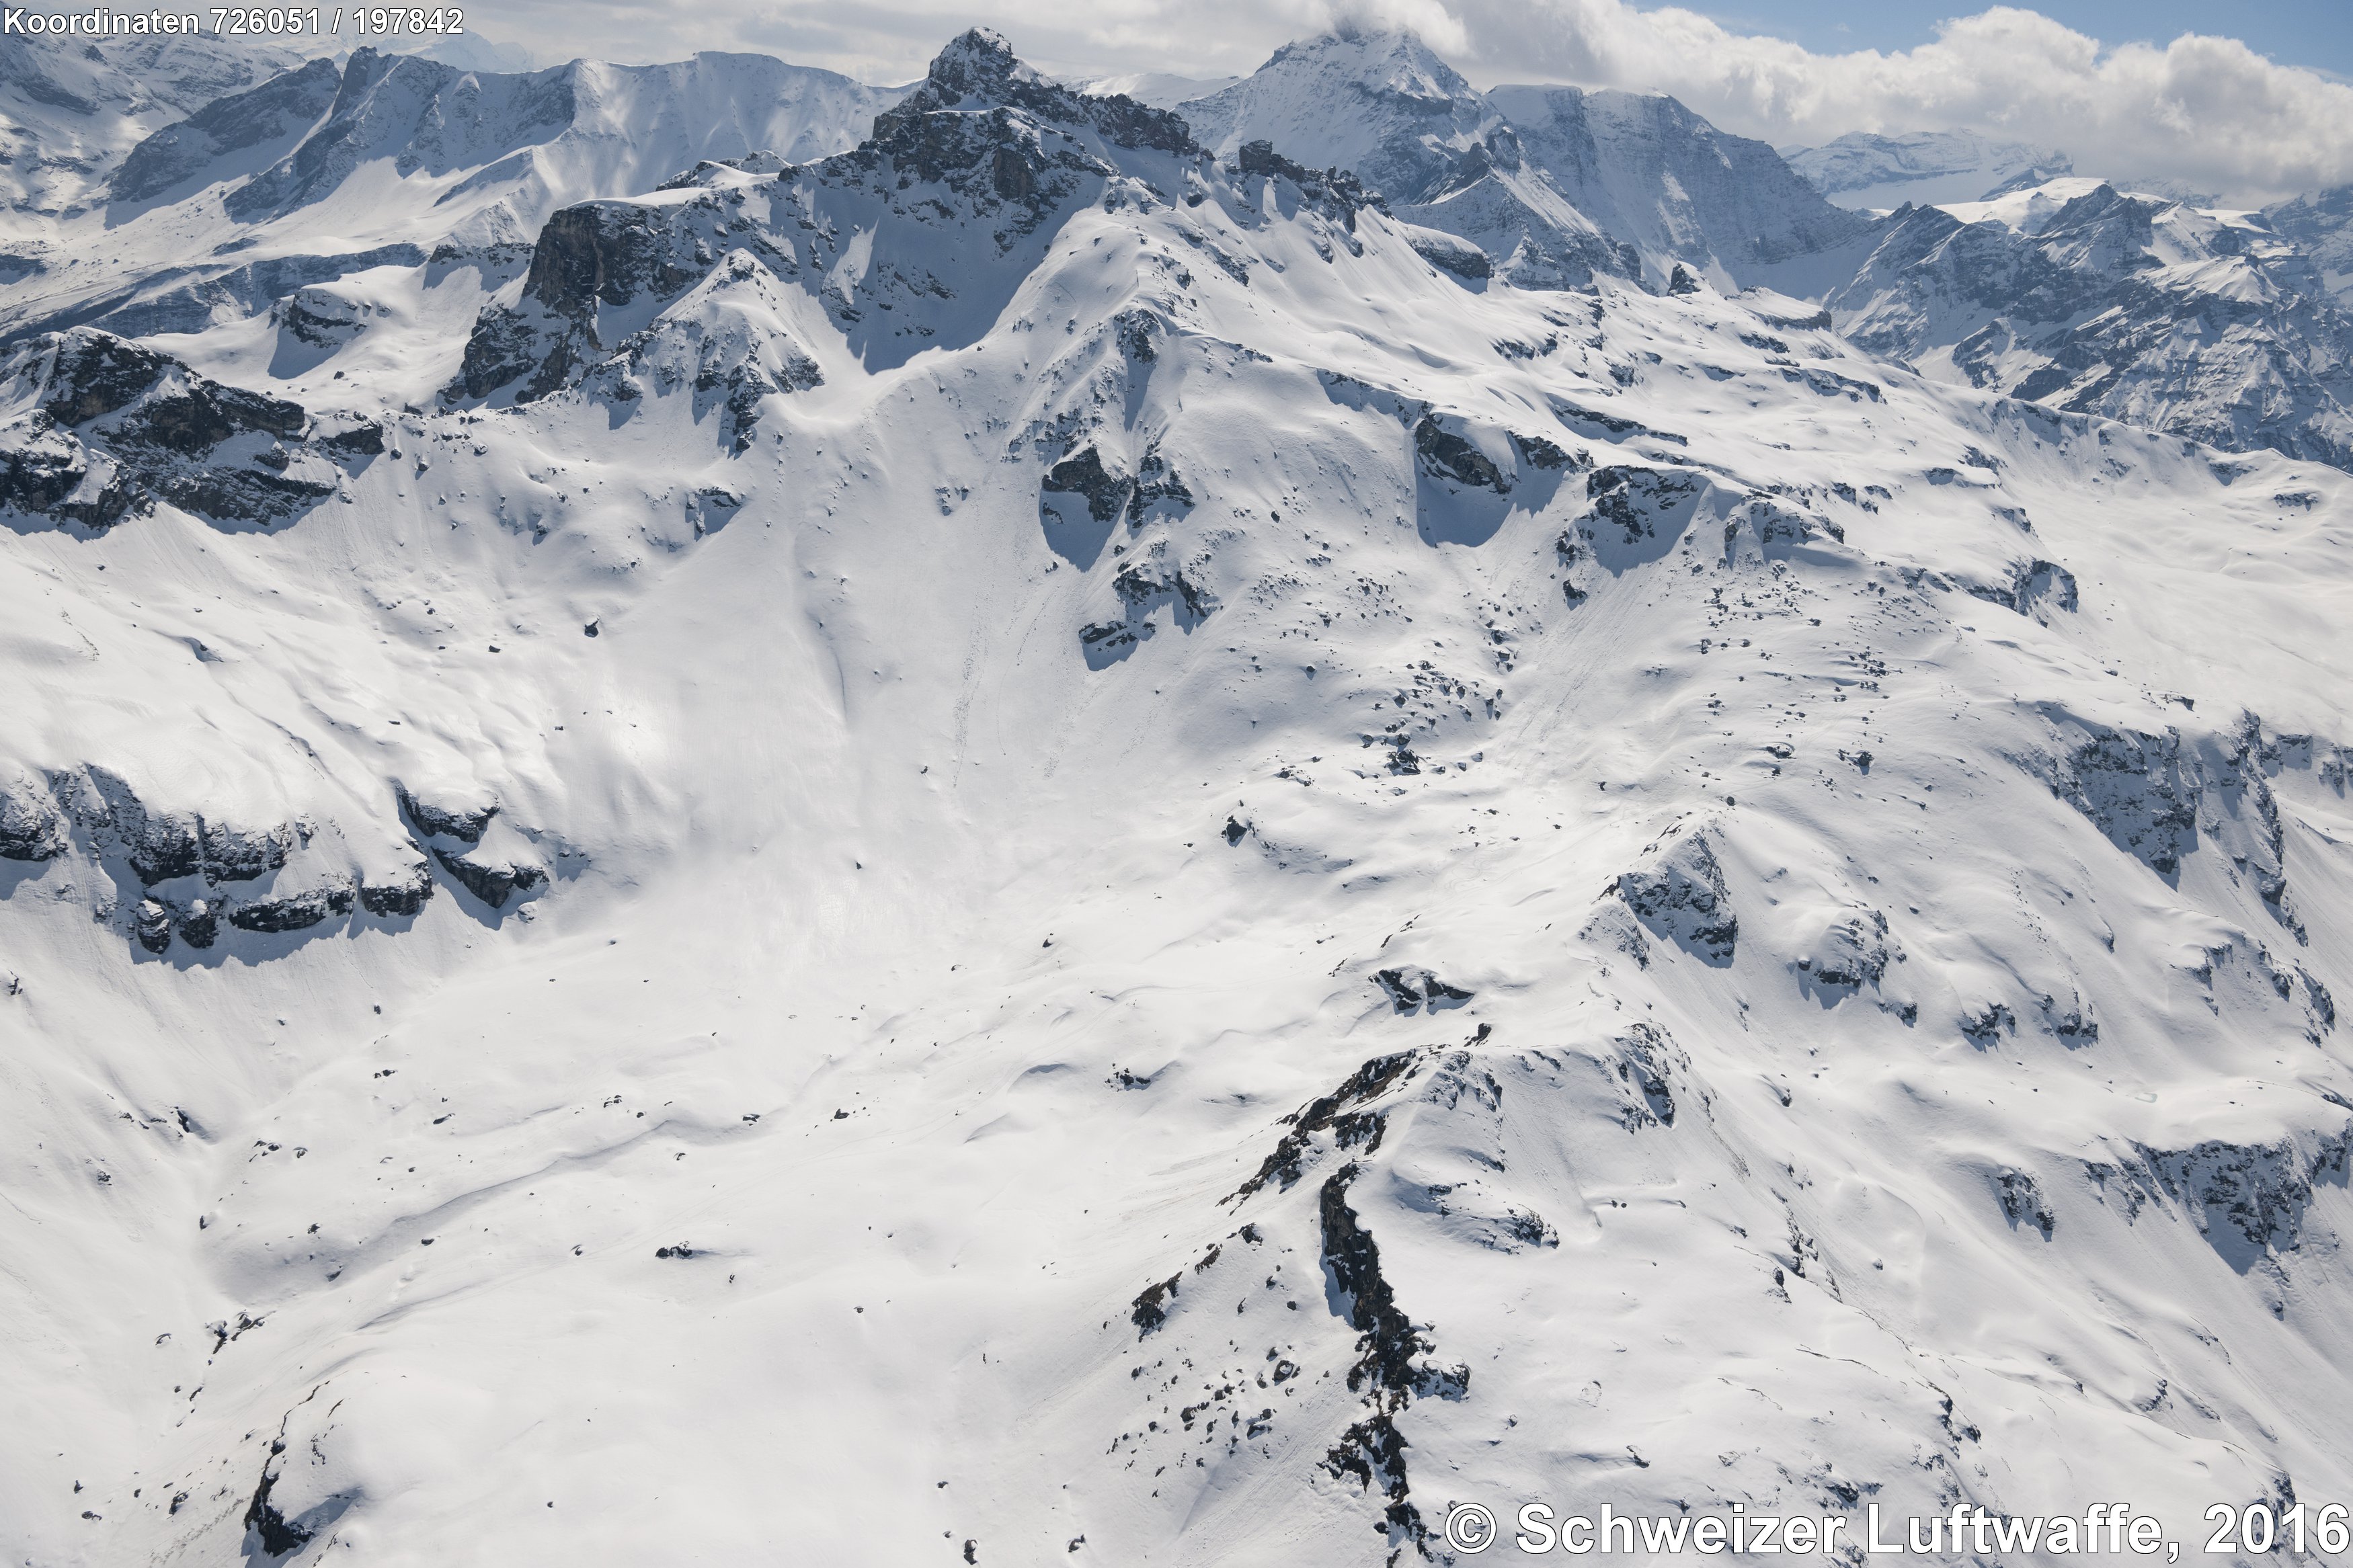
[1187,897]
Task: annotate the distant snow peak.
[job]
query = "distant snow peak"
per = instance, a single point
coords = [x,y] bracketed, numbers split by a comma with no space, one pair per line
[1865,169]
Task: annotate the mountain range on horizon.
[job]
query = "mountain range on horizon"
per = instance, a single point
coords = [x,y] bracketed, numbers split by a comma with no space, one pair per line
[1146,820]
[2137,305]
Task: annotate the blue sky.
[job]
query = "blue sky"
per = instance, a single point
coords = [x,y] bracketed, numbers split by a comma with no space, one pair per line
[2313,33]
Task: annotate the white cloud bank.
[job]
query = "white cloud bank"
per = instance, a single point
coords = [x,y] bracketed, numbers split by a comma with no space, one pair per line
[2206,113]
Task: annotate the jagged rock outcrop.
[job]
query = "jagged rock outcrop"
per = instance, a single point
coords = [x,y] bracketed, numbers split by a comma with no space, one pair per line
[97,429]
[31,827]
[2138,789]
[1680,893]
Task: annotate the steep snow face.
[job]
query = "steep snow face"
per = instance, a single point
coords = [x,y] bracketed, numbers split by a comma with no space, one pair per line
[1652,173]
[319,173]
[1049,786]
[1862,169]
[1380,103]
[70,114]
[1554,184]
[2078,296]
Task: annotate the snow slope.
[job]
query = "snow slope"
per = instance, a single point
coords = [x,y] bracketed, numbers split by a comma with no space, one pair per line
[1244,886]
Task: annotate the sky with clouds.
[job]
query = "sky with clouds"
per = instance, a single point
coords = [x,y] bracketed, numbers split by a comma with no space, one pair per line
[2120,87]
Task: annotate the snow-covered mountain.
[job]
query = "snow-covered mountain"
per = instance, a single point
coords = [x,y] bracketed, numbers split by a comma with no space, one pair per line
[1020,846]
[2218,326]
[2078,296]
[1553,184]
[322,172]
[70,114]
[1865,170]
[2321,225]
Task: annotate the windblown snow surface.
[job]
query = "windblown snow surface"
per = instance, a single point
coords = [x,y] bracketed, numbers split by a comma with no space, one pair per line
[1018,847]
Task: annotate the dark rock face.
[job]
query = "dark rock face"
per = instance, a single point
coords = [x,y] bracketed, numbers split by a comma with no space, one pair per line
[1373,1451]
[1336,193]
[493,882]
[599,252]
[116,427]
[1082,473]
[1157,488]
[401,896]
[31,825]
[1445,455]
[161,849]
[2022,1202]
[1682,897]
[1408,989]
[2031,588]
[163,845]
[237,854]
[465,824]
[1637,501]
[277,1534]
[1644,1053]
[2254,1193]
[277,109]
[1852,953]
[200,926]
[984,146]
[293,911]
[2139,790]
[1340,1113]
[151,924]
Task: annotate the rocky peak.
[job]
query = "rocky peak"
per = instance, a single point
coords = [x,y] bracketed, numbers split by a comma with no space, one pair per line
[979,70]
[977,63]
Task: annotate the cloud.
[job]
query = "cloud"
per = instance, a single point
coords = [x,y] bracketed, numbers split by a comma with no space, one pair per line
[2206,113]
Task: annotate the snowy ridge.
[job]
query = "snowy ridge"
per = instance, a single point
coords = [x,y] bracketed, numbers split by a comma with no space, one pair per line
[1073,860]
